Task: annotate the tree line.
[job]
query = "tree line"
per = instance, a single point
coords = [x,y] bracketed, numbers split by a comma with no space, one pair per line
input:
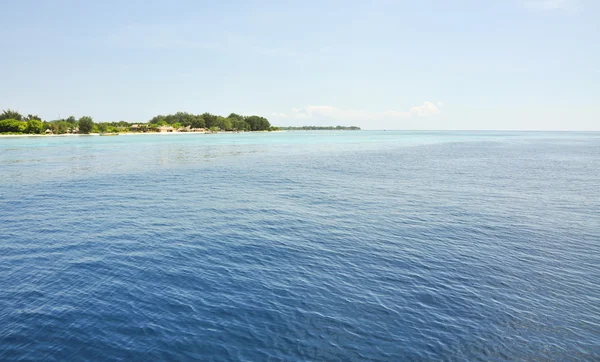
[321,128]
[13,122]
[233,122]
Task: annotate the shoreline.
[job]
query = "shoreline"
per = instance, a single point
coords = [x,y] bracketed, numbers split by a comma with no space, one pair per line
[128,134]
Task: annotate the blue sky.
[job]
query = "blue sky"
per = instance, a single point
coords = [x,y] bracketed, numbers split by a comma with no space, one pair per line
[464,64]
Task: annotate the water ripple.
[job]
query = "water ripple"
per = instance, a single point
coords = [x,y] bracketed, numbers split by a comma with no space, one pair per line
[366,246]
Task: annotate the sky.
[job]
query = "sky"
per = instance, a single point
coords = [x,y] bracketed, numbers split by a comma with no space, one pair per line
[380,64]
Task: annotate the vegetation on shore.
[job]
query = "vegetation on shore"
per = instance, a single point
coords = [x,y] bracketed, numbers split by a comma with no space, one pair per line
[12,122]
[321,128]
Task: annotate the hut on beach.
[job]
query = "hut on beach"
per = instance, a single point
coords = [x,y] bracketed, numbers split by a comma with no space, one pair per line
[166,129]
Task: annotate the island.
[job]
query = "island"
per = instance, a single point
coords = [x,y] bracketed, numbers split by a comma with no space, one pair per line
[321,128]
[14,123]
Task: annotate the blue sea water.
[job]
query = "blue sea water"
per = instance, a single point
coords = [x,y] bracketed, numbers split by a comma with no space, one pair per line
[346,246]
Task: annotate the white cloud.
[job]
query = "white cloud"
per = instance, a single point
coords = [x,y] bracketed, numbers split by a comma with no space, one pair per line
[328,114]
[427,109]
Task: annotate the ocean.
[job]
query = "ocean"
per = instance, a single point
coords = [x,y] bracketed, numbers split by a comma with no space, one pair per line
[295,246]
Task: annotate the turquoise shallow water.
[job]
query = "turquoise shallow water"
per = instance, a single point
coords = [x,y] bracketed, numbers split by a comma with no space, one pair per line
[301,246]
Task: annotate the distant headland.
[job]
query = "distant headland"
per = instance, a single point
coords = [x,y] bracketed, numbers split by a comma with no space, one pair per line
[321,128]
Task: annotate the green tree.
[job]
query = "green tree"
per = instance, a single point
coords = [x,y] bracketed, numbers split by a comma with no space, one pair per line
[209,119]
[238,124]
[236,116]
[13,126]
[157,119]
[31,117]
[102,127]
[63,127]
[86,124]
[258,123]
[34,126]
[223,123]
[198,122]
[185,119]
[10,114]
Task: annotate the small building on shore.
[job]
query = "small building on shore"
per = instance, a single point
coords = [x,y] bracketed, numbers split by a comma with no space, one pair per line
[49,131]
[138,128]
[166,129]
